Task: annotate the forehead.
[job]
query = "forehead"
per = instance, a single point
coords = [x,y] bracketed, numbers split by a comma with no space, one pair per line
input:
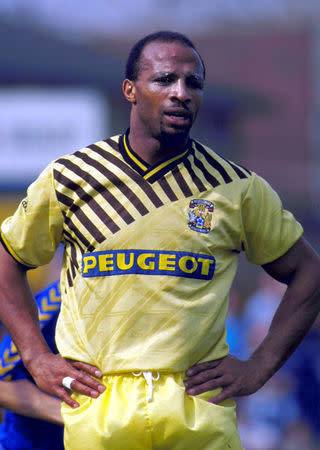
[170,56]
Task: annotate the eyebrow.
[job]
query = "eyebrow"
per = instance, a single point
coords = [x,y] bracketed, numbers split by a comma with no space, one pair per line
[197,77]
[161,74]
[166,73]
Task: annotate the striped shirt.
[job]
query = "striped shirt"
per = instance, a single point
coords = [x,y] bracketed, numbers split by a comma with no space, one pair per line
[150,251]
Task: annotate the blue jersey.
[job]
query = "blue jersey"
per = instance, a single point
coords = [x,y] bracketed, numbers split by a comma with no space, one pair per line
[21,432]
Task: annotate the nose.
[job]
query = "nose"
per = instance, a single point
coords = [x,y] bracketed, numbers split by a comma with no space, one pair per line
[180,91]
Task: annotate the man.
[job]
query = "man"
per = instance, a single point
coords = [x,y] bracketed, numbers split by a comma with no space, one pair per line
[152,223]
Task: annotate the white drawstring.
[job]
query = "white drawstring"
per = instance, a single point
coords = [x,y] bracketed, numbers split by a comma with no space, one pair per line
[149,379]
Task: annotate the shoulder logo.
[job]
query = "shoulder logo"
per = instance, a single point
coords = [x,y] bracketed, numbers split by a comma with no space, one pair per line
[200,215]
[24,204]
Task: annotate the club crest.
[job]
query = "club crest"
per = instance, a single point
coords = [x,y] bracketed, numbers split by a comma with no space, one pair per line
[200,215]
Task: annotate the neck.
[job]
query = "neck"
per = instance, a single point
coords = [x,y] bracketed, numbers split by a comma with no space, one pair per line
[153,150]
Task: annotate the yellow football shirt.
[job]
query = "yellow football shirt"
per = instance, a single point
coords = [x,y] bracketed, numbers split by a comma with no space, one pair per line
[150,251]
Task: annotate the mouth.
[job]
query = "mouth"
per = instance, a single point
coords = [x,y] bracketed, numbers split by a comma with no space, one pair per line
[178,117]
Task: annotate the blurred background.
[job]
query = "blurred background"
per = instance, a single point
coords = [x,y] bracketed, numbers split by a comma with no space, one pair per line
[61,70]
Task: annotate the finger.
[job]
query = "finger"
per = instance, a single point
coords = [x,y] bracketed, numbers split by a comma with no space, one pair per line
[64,396]
[85,380]
[88,368]
[223,395]
[203,377]
[202,367]
[205,387]
[84,389]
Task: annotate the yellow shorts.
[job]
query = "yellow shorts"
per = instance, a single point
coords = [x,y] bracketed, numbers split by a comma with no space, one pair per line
[132,414]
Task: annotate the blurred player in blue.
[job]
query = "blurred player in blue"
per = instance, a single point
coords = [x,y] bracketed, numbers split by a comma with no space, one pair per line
[32,418]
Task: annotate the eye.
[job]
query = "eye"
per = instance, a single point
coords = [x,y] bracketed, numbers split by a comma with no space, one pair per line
[164,79]
[195,83]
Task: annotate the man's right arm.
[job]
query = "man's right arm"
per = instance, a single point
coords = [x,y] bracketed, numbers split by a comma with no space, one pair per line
[19,314]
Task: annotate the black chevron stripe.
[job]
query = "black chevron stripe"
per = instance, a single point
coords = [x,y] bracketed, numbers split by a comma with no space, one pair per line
[111,199]
[96,208]
[144,185]
[213,162]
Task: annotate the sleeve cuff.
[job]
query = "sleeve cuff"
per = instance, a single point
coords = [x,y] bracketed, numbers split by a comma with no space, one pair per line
[8,249]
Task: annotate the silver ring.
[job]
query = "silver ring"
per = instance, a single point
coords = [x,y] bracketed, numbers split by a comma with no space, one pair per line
[66,382]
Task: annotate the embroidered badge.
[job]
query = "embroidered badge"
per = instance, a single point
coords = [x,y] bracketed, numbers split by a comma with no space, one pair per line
[200,215]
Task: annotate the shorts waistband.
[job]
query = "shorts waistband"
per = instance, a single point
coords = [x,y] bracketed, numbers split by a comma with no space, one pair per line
[150,377]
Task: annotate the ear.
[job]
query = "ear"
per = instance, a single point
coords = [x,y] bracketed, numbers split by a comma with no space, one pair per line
[129,90]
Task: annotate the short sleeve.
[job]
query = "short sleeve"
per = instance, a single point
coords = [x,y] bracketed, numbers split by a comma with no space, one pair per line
[269,231]
[33,233]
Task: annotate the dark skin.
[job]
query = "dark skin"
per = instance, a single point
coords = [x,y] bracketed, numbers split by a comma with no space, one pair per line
[165,100]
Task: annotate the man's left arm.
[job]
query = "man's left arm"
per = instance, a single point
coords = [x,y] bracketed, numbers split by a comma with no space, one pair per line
[299,268]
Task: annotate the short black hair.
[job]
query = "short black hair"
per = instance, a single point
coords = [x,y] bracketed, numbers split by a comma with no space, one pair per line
[133,61]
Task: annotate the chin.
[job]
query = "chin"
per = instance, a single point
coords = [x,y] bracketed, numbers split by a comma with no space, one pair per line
[175,135]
